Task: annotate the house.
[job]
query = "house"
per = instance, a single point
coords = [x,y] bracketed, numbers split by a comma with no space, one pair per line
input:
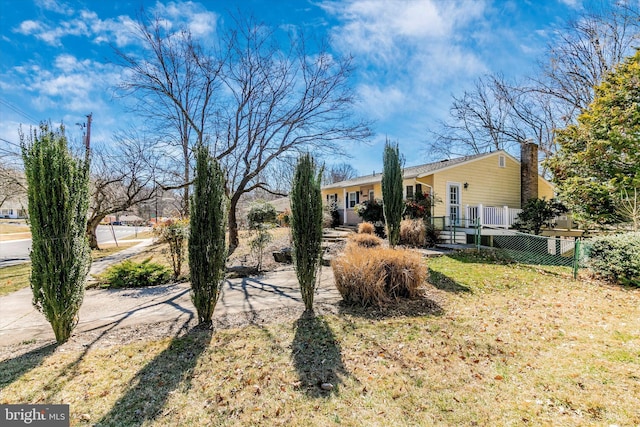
[486,189]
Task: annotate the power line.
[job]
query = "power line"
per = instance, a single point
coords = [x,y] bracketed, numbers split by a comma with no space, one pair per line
[10,143]
[17,110]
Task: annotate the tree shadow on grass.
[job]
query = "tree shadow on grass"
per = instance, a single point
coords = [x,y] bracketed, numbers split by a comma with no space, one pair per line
[446,283]
[12,369]
[151,387]
[317,356]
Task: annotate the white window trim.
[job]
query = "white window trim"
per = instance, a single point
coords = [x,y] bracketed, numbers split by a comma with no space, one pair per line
[352,193]
[448,199]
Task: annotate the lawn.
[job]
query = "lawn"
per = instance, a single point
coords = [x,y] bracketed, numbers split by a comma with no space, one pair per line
[489,345]
[16,277]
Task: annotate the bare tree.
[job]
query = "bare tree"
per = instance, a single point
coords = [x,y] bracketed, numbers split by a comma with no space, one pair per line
[12,184]
[284,100]
[173,83]
[586,50]
[496,114]
[339,172]
[122,178]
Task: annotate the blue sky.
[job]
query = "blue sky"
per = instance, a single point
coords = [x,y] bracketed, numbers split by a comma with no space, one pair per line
[56,59]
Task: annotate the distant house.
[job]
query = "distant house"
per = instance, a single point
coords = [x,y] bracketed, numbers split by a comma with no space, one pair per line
[483,188]
[14,207]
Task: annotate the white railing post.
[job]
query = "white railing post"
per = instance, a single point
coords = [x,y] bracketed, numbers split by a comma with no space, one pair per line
[346,204]
[480,215]
[506,216]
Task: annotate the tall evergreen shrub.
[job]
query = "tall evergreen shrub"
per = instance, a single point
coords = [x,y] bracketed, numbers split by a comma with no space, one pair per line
[58,195]
[306,226]
[207,250]
[393,204]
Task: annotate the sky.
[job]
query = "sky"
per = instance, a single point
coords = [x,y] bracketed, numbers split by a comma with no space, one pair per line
[57,57]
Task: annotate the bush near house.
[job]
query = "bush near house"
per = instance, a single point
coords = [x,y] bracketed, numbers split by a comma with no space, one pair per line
[616,258]
[129,274]
[372,211]
[375,276]
[365,240]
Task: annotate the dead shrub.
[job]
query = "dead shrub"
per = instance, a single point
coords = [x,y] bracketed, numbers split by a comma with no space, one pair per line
[366,228]
[413,233]
[365,240]
[374,276]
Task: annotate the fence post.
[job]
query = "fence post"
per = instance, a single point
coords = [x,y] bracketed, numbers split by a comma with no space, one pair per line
[576,258]
[506,216]
[478,234]
[480,215]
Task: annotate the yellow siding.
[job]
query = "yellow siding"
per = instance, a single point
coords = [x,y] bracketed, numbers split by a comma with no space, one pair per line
[489,184]
[545,189]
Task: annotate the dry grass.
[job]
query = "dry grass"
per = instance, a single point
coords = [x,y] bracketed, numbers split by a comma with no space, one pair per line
[375,276]
[365,240]
[413,233]
[13,226]
[366,228]
[492,345]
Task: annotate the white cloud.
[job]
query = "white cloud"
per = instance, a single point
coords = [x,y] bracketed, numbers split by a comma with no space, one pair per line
[55,6]
[574,4]
[120,30]
[29,27]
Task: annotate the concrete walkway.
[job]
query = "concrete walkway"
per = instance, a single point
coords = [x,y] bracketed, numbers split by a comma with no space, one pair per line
[111,309]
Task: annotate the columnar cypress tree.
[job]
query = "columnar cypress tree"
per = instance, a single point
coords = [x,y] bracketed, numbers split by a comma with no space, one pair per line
[207,250]
[393,205]
[58,194]
[306,226]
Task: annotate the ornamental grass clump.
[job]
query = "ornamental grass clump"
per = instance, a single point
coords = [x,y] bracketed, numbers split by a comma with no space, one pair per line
[413,233]
[365,240]
[376,276]
[366,228]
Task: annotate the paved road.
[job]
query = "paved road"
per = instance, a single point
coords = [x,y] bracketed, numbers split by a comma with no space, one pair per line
[16,251]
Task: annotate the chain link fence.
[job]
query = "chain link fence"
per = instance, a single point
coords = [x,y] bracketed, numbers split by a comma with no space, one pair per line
[538,250]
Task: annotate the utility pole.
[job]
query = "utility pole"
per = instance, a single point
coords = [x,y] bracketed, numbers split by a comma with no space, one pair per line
[87,138]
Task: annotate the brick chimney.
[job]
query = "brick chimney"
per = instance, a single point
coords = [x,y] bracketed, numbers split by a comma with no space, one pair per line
[528,171]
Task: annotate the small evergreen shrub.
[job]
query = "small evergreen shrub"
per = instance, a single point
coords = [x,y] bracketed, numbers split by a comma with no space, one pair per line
[432,235]
[413,233]
[366,228]
[616,257]
[129,274]
[376,276]
[335,215]
[365,240]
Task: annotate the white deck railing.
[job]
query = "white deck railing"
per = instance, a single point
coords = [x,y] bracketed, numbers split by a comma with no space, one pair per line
[491,216]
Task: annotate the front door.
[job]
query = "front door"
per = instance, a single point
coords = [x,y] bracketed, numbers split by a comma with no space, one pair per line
[453,203]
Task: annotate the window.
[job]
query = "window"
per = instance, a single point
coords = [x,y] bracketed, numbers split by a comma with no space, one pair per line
[409,192]
[419,189]
[354,197]
[501,161]
[332,198]
[371,196]
[454,203]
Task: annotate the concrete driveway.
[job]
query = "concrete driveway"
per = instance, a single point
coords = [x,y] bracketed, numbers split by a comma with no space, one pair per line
[112,309]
